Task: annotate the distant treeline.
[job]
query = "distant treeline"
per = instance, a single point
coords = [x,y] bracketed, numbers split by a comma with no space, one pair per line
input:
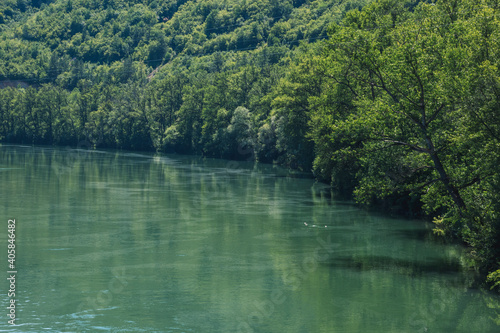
[395,103]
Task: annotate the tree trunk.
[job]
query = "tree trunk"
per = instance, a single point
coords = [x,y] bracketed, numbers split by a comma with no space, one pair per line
[452,190]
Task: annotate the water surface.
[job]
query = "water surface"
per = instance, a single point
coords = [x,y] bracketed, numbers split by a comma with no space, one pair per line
[129,242]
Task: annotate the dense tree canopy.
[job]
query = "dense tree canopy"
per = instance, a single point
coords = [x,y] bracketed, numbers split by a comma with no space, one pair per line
[415,112]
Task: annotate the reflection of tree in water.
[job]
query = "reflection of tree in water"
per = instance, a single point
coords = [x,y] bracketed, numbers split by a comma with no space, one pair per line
[491,301]
[457,296]
[396,265]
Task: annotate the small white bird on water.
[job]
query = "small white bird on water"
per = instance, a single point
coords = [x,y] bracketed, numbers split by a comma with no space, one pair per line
[314,225]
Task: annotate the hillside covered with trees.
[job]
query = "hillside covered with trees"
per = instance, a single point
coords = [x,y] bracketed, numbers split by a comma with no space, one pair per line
[393,102]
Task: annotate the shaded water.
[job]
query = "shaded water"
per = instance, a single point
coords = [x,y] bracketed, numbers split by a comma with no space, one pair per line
[124,242]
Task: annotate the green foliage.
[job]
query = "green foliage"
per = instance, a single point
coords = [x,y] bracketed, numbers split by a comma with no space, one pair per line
[494,277]
[410,107]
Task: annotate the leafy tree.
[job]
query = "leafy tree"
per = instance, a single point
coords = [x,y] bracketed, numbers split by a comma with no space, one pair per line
[292,108]
[241,134]
[414,123]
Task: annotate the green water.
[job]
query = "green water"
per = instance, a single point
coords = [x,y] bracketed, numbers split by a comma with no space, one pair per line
[123,242]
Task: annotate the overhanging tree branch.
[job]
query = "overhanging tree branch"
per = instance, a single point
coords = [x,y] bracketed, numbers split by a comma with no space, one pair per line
[402,143]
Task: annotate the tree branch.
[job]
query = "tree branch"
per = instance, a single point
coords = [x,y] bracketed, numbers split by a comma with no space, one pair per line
[435,114]
[402,143]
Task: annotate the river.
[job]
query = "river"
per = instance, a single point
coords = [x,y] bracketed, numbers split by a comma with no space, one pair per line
[135,242]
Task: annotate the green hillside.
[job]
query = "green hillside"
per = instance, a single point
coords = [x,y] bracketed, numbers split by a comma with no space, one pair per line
[394,103]
[94,55]
[43,39]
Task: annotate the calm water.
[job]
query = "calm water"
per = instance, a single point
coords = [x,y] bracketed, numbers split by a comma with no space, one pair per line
[123,242]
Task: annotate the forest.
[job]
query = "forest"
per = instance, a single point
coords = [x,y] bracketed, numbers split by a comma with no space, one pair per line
[395,104]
